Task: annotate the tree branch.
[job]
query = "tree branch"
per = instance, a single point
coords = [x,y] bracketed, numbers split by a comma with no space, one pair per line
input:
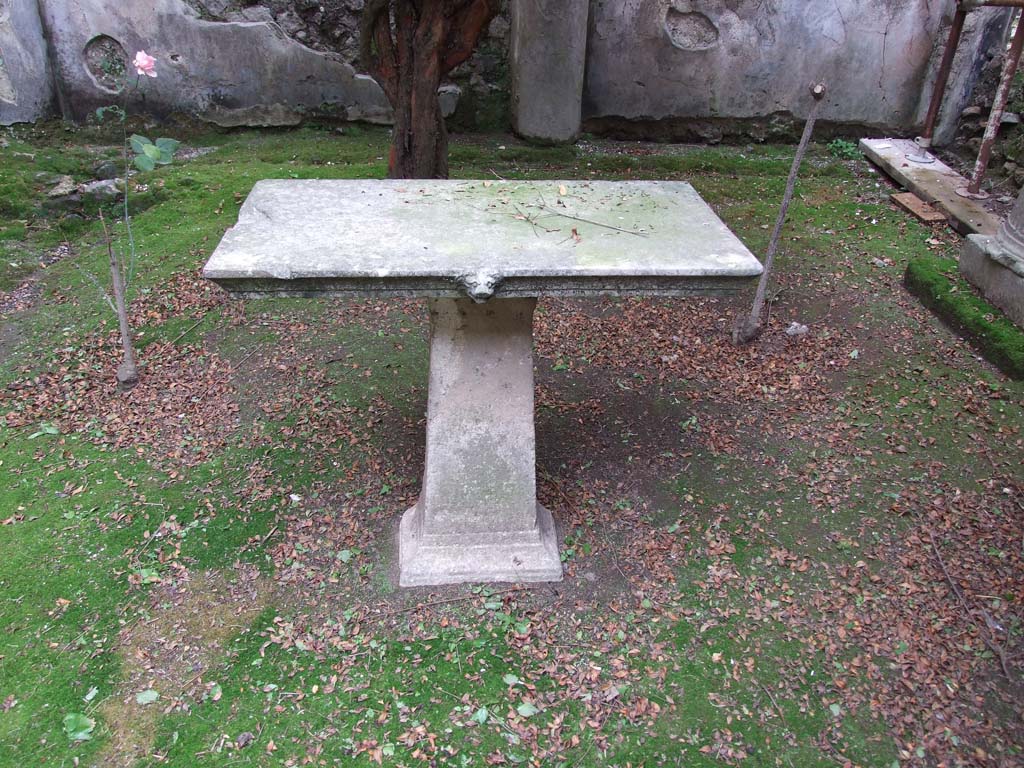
[465,26]
[376,48]
[984,630]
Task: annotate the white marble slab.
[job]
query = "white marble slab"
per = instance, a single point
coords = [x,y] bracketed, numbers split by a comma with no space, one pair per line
[479,239]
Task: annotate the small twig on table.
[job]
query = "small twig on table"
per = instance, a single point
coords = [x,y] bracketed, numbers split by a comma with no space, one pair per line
[555,212]
[990,641]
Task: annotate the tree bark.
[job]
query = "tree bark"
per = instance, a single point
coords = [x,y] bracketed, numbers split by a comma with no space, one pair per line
[408,46]
[127,371]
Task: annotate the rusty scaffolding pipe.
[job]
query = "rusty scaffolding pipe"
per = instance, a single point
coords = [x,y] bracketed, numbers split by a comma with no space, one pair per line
[963,7]
[942,78]
[995,117]
[970,5]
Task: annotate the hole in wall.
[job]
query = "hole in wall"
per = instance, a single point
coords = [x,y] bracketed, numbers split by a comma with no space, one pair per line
[107,62]
[690,31]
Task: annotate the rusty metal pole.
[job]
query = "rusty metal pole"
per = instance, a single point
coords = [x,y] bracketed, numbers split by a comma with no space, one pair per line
[973,189]
[970,5]
[942,78]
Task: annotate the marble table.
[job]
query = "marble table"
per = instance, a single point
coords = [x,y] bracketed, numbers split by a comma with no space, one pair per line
[480,252]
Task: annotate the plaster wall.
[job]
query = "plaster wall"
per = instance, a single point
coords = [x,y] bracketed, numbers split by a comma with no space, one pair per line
[231,73]
[26,81]
[673,60]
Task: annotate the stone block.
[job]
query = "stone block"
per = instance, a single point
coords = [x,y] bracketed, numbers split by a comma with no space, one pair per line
[547,58]
[987,264]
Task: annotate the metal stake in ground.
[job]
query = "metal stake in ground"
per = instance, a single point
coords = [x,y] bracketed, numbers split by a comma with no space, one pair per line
[749,328]
[995,116]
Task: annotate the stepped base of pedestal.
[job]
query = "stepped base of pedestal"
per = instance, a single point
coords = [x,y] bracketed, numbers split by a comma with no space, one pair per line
[986,264]
[517,556]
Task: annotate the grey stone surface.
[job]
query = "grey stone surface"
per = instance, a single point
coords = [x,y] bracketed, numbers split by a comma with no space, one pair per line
[477,518]
[26,80]
[985,262]
[103,190]
[65,186]
[229,73]
[547,58]
[452,239]
[655,60]
[935,183]
[996,264]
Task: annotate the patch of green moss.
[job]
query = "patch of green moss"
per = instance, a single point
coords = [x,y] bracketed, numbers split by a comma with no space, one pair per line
[936,282]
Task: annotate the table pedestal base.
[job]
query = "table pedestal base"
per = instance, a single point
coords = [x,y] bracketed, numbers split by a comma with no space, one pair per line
[477,518]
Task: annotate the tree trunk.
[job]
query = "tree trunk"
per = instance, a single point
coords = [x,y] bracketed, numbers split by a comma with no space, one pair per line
[127,371]
[419,146]
[409,46]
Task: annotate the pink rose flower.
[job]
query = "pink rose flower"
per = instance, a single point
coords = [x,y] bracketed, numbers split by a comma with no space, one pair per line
[144,64]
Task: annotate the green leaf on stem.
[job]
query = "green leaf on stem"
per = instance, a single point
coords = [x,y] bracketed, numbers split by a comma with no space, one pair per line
[139,143]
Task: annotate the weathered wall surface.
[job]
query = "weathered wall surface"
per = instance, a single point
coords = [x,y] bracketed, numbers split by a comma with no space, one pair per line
[26,82]
[685,69]
[234,73]
[721,60]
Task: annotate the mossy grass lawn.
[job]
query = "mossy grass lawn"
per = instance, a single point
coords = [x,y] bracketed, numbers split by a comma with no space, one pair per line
[756,542]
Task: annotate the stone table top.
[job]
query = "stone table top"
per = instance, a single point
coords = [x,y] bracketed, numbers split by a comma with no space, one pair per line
[482,239]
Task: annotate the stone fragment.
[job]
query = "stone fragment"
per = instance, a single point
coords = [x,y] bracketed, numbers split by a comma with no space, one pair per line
[65,186]
[103,190]
[290,22]
[449,96]
[254,14]
[215,7]
[106,169]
